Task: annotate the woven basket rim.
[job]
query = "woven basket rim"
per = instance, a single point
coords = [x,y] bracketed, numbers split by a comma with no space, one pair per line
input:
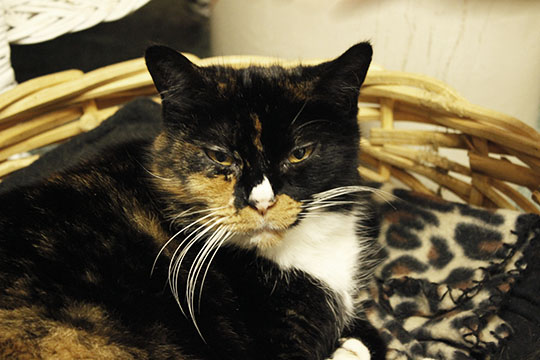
[503,151]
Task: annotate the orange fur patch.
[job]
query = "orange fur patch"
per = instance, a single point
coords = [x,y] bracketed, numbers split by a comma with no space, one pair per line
[284,212]
[258,131]
[69,343]
[147,223]
[299,90]
[198,187]
[25,334]
[165,147]
[214,191]
[278,217]
[263,231]
[160,143]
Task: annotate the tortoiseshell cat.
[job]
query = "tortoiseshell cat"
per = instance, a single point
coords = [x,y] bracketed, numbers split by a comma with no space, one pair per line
[251,189]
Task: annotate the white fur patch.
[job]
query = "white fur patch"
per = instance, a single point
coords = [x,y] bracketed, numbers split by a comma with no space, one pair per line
[351,349]
[262,194]
[325,246]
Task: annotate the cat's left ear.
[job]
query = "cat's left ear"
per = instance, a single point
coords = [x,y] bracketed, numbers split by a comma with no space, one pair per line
[340,80]
[171,70]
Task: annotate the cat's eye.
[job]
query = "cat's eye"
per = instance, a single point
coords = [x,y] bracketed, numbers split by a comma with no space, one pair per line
[220,157]
[300,154]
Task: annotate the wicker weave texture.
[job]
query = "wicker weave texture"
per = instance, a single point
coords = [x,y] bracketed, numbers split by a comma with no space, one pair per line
[34,21]
[415,125]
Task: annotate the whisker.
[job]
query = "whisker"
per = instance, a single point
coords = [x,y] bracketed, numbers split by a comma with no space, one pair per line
[210,248]
[344,190]
[199,236]
[197,263]
[316,205]
[330,198]
[324,206]
[310,123]
[174,269]
[298,114]
[174,264]
[174,236]
[161,251]
[191,282]
[154,175]
[309,215]
[227,236]
[332,193]
[188,212]
[170,91]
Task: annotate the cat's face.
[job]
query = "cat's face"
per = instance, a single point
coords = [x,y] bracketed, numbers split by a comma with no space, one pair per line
[247,151]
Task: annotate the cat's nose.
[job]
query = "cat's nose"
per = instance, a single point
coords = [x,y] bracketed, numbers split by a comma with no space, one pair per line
[262,206]
[262,196]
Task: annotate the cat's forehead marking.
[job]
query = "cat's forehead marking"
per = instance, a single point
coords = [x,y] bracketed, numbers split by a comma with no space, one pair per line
[257,125]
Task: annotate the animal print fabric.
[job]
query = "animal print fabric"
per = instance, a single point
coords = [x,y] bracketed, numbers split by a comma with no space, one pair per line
[446,270]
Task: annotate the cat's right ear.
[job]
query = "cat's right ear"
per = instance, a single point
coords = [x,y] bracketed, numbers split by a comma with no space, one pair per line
[170,70]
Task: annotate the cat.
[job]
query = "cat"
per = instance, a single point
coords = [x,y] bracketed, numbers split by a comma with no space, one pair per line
[240,232]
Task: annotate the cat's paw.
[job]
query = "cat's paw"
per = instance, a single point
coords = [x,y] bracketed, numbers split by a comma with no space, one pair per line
[351,349]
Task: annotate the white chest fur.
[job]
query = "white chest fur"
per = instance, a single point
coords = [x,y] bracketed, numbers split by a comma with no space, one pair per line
[324,246]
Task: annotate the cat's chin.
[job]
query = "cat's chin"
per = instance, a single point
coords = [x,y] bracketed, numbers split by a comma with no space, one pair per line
[266,239]
[261,240]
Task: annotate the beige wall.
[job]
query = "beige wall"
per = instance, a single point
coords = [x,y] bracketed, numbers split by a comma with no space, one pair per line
[489,50]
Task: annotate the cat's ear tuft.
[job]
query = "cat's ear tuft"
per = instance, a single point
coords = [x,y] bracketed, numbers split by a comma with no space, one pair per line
[342,78]
[169,69]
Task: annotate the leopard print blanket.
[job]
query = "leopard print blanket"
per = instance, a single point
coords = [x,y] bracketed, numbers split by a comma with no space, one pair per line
[445,271]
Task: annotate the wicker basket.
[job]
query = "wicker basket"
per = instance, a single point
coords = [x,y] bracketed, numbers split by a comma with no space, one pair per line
[34,21]
[413,120]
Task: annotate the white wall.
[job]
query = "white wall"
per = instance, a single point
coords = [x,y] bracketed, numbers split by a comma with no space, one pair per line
[489,50]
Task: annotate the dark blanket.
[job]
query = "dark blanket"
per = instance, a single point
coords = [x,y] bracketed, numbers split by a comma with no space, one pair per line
[140,119]
[456,282]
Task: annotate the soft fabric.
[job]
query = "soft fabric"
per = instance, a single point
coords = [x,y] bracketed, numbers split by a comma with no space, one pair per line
[140,119]
[447,275]
[455,282]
